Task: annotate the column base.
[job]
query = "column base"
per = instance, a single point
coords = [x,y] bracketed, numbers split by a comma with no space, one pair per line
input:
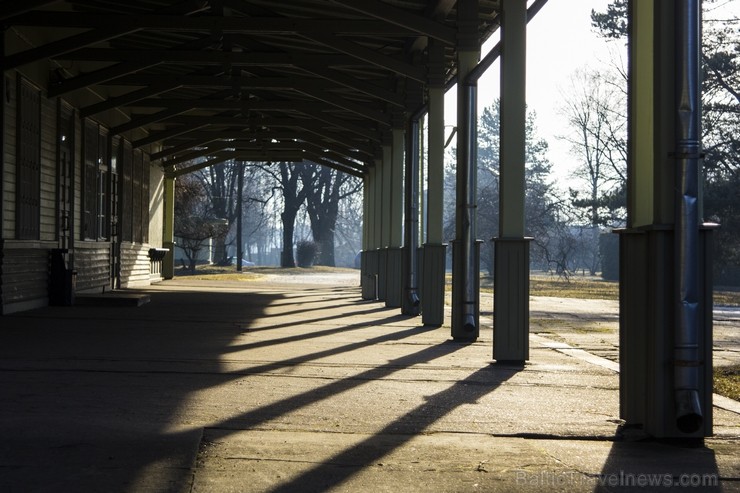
[511,299]
[394,278]
[647,320]
[369,274]
[382,255]
[432,282]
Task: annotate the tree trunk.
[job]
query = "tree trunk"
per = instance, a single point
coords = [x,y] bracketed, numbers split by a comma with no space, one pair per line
[293,198]
[286,255]
[327,248]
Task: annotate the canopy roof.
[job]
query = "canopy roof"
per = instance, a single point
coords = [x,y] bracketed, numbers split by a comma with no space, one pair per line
[288,80]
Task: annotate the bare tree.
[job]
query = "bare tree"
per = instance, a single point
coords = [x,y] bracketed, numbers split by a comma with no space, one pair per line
[258,195]
[326,188]
[595,108]
[596,111]
[195,222]
[220,183]
[294,192]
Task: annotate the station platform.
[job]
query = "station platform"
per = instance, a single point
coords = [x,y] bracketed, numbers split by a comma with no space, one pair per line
[272,385]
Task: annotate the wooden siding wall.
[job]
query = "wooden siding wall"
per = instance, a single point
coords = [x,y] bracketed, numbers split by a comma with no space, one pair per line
[24,264]
[93,266]
[28,161]
[135,265]
[25,271]
[9,175]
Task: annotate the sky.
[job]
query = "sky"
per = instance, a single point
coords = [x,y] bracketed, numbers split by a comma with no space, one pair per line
[560,40]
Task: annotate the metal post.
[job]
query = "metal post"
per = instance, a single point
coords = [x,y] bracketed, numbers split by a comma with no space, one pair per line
[469,222]
[240,211]
[465,271]
[394,269]
[435,251]
[384,203]
[411,301]
[368,266]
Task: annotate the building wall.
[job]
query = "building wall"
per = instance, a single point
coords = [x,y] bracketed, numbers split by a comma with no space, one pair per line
[100,260]
[9,134]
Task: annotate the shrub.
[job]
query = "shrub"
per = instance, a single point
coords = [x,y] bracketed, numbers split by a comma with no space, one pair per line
[306,253]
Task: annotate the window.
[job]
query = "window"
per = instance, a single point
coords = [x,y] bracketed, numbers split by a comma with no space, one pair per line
[126,192]
[95,207]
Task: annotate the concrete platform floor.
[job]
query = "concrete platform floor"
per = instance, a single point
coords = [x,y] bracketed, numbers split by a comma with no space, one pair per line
[274,386]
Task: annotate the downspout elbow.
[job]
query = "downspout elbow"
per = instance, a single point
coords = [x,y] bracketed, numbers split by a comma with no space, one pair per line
[689,418]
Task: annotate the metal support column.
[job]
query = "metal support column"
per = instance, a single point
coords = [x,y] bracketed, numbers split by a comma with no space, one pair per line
[465,256]
[368,257]
[394,270]
[410,304]
[511,248]
[665,252]
[435,251]
[384,202]
[240,212]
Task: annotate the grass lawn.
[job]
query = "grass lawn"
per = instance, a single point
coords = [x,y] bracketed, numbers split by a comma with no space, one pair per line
[590,288]
[727,381]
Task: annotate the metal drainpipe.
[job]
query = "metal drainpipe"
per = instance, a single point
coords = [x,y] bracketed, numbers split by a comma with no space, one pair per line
[469,221]
[688,148]
[411,230]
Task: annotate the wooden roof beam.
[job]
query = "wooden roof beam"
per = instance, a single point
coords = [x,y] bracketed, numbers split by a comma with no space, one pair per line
[418,24]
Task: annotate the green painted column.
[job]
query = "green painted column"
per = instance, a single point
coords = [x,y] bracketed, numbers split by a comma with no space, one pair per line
[168,235]
[394,270]
[435,251]
[385,217]
[367,273]
[377,204]
[511,248]
[665,338]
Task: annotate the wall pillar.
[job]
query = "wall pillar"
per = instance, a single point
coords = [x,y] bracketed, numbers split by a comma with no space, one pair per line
[168,235]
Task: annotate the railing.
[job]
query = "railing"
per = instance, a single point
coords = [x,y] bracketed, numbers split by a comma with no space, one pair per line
[156,257]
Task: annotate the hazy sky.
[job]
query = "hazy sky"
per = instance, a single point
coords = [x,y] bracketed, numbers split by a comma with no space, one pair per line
[560,40]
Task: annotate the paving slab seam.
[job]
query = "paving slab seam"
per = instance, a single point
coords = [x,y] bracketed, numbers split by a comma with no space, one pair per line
[719,401]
